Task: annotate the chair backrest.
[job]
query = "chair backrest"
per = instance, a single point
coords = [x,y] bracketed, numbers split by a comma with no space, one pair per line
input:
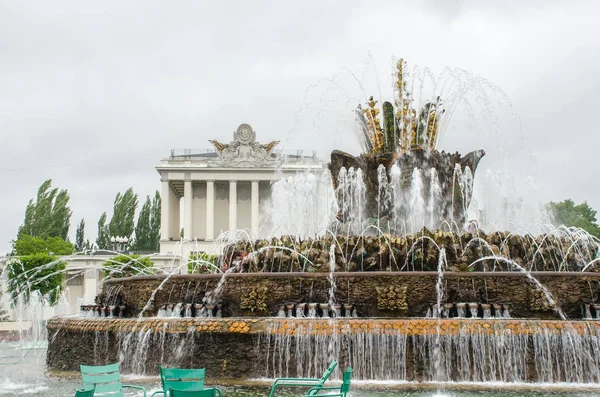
[211,392]
[346,381]
[328,371]
[104,379]
[84,393]
[182,379]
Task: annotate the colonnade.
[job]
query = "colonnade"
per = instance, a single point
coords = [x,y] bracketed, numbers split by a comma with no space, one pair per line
[170,209]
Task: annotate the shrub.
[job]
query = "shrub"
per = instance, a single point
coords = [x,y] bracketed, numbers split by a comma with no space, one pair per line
[37,272]
[202,262]
[27,245]
[128,265]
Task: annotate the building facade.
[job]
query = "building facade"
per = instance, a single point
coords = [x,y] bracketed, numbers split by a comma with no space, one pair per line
[228,188]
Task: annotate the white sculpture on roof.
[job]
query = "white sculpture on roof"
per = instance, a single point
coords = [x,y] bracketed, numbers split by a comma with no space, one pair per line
[243,151]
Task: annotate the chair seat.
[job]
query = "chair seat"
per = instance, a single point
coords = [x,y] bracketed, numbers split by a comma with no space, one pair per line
[181,380]
[338,391]
[210,392]
[303,382]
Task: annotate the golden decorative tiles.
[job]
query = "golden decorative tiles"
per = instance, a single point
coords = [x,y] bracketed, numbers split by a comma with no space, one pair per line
[325,327]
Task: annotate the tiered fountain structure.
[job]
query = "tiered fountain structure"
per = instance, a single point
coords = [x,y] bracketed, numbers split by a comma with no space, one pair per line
[454,304]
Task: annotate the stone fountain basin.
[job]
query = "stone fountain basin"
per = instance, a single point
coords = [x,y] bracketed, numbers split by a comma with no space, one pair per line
[366,290]
[247,344]
[240,347]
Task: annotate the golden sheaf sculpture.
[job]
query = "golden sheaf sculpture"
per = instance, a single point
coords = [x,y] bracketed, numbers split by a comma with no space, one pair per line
[404,128]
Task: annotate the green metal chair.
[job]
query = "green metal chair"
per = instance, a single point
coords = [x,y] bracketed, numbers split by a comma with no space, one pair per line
[181,379]
[210,392]
[84,392]
[105,380]
[304,382]
[339,391]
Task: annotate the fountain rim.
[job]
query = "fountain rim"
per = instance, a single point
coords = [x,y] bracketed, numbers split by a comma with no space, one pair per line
[308,275]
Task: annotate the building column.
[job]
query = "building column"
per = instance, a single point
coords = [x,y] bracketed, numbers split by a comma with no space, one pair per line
[254,209]
[210,210]
[188,210]
[174,215]
[90,286]
[165,208]
[232,205]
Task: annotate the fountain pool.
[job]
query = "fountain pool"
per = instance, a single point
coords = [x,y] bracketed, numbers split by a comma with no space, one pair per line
[23,373]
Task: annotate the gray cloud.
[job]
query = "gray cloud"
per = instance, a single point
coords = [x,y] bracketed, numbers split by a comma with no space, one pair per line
[92,95]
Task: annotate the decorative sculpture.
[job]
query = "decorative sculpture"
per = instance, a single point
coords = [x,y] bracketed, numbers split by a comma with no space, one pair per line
[407,140]
[243,151]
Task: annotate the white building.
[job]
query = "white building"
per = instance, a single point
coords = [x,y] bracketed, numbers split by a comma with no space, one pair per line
[228,188]
[204,192]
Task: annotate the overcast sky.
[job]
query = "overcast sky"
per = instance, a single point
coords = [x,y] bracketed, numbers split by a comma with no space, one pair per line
[94,94]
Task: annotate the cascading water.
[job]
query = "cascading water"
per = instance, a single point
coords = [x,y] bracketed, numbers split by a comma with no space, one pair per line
[411,210]
[435,199]
[332,286]
[352,190]
[494,354]
[372,356]
[287,214]
[416,202]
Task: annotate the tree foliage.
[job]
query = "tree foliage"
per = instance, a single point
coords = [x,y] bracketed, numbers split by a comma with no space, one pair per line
[80,236]
[122,222]
[49,215]
[580,215]
[28,245]
[155,222]
[147,230]
[142,229]
[128,265]
[37,272]
[81,244]
[103,239]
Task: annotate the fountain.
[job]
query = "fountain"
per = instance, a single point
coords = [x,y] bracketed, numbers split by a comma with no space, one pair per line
[401,164]
[444,303]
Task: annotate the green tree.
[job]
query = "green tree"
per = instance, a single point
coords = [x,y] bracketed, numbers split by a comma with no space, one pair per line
[128,265]
[80,236]
[103,240]
[147,230]
[155,222]
[37,272]
[122,222]
[143,238]
[28,245]
[580,215]
[49,215]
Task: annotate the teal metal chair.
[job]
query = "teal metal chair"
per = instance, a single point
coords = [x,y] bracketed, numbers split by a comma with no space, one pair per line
[210,392]
[339,391]
[105,380]
[181,379]
[304,382]
[84,392]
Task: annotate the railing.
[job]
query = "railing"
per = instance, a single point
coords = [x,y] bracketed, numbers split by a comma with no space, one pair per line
[193,153]
[211,153]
